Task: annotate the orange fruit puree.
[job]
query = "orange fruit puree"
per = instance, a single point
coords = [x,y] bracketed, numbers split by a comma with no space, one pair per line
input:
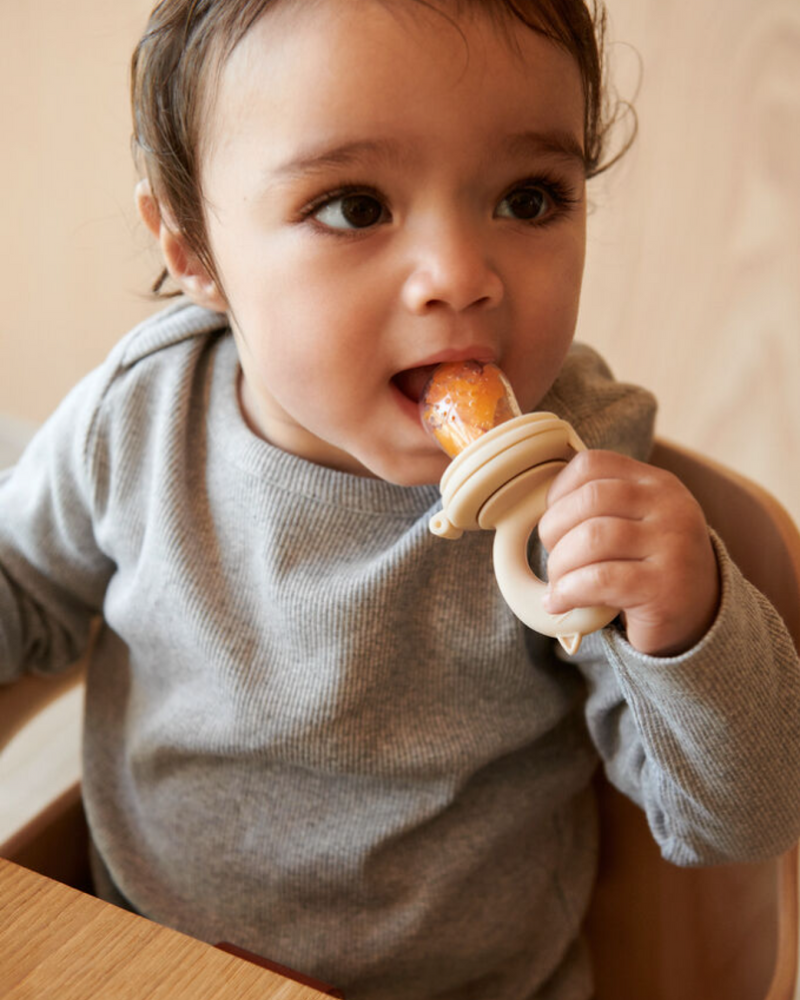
[463,400]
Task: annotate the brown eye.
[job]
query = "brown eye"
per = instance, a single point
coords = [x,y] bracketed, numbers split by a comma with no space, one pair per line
[361,210]
[351,211]
[525,203]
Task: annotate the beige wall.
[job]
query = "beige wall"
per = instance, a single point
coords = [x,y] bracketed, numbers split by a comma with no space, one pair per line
[692,283]
[693,276]
[73,263]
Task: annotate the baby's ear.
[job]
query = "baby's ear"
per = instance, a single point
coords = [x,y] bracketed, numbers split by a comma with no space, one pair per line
[189,273]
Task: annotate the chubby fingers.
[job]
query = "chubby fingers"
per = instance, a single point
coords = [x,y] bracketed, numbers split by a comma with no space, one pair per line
[596,485]
[631,536]
[598,530]
[577,496]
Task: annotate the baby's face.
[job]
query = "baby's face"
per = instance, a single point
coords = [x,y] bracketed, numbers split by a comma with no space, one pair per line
[384,193]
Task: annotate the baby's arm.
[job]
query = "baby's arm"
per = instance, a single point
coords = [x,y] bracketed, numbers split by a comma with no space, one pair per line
[708,742]
[695,708]
[628,535]
[52,575]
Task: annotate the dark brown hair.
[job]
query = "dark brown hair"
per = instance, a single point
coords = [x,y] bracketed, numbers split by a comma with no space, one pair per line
[187,40]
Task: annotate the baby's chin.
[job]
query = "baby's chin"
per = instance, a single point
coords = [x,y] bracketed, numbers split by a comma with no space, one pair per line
[406,470]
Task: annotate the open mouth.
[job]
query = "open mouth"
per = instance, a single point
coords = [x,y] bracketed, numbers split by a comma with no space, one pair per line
[411,382]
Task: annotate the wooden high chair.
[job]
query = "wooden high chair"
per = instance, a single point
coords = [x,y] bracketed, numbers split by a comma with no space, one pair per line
[656,932]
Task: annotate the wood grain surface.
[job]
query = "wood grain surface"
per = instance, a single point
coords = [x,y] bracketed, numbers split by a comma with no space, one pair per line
[58,942]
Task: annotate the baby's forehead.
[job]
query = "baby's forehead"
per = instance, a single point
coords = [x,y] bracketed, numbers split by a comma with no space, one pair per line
[363,73]
[502,17]
[465,34]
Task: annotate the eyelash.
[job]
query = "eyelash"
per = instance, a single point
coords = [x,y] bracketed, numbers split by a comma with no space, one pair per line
[308,212]
[561,196]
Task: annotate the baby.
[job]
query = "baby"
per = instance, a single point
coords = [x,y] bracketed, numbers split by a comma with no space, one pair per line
[313,728]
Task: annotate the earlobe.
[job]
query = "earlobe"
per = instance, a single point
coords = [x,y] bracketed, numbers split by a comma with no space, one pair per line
[189,273]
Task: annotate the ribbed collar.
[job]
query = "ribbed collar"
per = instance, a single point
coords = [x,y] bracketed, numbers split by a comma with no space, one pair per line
[271,465]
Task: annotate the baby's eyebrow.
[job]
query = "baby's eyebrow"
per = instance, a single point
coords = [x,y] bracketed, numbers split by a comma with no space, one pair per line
[555,142]
[318,160]
[560,143]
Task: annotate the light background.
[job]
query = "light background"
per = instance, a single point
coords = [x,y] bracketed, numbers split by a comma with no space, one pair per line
[693,275]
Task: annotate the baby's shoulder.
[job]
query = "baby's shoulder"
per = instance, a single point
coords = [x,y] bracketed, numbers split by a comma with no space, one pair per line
[605,413]
[179,328]
[157,357]
[143,383]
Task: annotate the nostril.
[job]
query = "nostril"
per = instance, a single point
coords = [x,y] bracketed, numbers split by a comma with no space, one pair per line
[457,287]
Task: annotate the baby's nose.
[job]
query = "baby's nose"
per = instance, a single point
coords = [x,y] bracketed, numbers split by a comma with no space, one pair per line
[452,272]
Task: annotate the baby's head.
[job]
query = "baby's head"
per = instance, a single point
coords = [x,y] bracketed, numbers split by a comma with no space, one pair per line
[187,42]
[368,187]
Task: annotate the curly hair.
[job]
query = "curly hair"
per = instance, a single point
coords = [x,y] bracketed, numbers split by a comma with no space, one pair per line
[188,40]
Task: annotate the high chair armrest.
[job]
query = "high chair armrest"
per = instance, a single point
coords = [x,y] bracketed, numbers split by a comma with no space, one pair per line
[25,698]
[785,984]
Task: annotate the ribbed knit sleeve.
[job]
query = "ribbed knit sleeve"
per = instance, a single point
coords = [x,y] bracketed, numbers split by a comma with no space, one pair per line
[57,554]
[52,573]
[707,742]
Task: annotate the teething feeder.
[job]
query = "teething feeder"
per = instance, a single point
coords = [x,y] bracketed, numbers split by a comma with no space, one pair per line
[499,481]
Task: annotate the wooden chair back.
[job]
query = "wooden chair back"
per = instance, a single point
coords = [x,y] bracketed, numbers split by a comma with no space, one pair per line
[666,933]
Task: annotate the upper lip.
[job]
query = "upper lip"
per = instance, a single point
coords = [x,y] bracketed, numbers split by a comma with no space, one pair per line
[474,352]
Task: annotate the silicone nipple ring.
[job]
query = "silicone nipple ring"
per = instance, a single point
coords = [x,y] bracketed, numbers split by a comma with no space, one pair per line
[499,480]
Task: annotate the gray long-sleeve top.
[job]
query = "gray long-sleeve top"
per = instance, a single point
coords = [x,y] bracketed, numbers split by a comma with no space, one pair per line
[315,729]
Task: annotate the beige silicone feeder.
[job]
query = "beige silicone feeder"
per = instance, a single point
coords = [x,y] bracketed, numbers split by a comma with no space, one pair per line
[503,464]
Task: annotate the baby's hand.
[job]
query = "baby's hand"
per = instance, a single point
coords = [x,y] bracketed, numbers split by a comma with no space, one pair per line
[631,536]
